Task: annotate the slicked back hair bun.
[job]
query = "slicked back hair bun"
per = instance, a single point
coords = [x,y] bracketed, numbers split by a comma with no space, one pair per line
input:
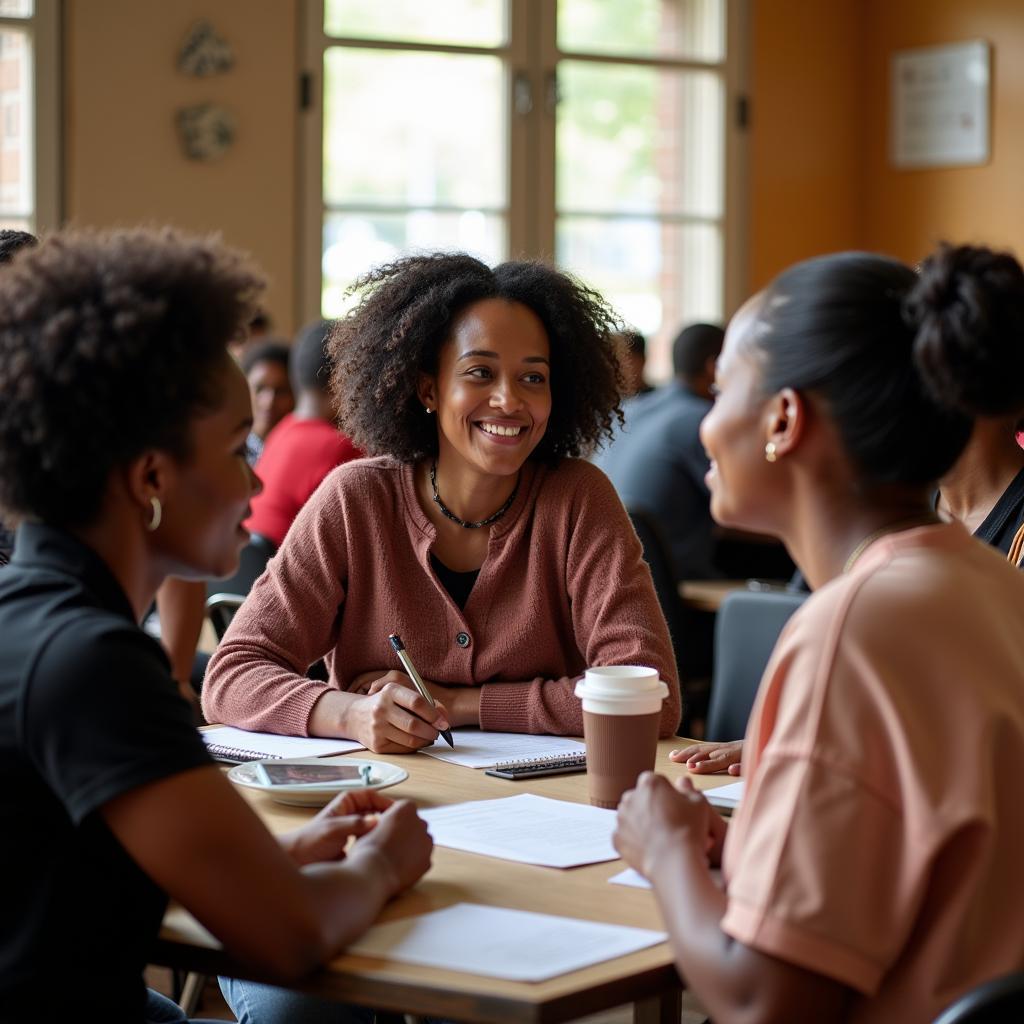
[903,362]
[967,309]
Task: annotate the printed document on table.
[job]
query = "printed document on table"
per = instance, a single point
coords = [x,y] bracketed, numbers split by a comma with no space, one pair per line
[514,944]
[630,877]
[725,797]
[477,749]
[526,828]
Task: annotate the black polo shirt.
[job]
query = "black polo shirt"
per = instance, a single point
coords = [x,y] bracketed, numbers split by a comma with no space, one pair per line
[1002,523]
[88,711]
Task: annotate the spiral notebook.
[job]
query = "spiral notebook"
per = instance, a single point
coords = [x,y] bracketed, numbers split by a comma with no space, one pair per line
[225,743]
[479,748]
[532,767]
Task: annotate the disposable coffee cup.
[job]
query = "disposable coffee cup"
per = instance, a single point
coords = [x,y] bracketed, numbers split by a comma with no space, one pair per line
[621,715]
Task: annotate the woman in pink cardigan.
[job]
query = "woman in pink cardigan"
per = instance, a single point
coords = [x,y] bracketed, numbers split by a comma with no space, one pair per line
[506,563]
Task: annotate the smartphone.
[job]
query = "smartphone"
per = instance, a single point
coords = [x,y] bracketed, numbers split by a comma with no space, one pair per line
[309,774]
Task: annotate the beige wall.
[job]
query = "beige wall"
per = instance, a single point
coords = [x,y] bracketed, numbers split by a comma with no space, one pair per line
[123,161]
[819,178]
[806,149]
[909,211]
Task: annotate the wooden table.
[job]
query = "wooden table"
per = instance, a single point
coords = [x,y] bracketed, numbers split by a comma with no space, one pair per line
[708,595]
[647,978]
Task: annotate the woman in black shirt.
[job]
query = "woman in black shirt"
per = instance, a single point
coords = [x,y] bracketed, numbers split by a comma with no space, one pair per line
[122,451]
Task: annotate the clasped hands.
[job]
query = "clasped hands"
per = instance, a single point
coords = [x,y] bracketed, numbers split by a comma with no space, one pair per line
[658,816]
[390,830]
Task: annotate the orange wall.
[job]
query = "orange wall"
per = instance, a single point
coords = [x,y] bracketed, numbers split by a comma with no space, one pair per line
[806,149]
[907,212]
[123,161]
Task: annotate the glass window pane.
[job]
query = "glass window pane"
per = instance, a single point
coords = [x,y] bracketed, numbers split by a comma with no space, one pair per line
[16,185]
[451,22]
[639,140]
[358,241]
[682,29]
[658,276]
[395,129]
[15,8]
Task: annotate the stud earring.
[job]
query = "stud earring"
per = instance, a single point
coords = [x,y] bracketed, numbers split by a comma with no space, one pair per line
[158,514]
[770,454]
[427,409]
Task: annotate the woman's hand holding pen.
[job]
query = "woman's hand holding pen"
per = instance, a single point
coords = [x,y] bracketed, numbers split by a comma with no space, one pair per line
[394,718]
[462,703]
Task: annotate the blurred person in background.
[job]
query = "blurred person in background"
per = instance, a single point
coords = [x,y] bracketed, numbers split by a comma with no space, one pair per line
[265,365]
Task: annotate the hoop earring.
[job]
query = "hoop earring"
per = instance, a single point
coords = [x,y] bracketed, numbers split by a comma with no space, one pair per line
[158,514]
[770,454]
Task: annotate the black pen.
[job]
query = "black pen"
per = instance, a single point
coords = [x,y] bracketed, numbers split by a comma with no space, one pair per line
[417,681]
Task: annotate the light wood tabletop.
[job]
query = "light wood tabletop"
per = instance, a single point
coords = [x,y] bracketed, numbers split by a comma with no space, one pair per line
[647,979]
[708,595]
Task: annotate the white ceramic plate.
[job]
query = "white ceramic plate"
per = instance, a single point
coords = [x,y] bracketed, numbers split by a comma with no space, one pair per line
[315,794]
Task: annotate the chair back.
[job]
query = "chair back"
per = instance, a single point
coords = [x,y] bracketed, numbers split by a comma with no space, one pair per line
[1001,999]
[658,559]
[220,610]
[749,623]
[251,562]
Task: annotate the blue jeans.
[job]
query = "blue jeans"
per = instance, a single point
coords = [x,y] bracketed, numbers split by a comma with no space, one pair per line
[253,1003]
[161,1010]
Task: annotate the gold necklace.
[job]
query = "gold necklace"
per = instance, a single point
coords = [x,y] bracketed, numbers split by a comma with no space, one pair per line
[903,524]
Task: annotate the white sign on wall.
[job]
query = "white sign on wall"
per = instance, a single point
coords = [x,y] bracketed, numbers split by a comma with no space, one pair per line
[940,105]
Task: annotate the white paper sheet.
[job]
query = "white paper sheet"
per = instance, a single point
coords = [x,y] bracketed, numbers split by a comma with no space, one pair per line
[500,943]
[633,878]
[476,749]
[630,877]
[725,797]
[526,828]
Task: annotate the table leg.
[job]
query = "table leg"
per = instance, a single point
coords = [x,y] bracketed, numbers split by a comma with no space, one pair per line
[664,1009]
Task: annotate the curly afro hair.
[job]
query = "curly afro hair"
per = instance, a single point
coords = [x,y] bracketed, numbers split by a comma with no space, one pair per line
[110,344]
[380,349]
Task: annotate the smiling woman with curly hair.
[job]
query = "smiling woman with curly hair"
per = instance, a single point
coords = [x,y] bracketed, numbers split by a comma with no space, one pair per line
[476,533]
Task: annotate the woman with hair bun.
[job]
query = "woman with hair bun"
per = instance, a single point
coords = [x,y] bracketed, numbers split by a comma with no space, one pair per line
[868,871]
[507,564]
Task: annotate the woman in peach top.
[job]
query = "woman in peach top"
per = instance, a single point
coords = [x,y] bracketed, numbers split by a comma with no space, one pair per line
[868,873]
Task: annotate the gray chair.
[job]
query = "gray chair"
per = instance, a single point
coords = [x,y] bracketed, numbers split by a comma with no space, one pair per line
[749,623]
[1001,999]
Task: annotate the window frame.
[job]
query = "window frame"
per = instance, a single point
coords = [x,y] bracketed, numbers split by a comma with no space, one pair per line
[533,69]
[43,26]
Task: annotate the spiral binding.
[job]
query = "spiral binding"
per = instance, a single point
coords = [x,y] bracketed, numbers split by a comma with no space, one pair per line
[239,754]
[547,761]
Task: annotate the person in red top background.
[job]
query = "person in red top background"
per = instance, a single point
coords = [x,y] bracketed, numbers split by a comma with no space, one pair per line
[304,446]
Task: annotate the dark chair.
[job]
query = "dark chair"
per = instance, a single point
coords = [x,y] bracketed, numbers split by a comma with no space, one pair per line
[251,563]
[220,610]
[691,630]
[749,622]
[1001,999]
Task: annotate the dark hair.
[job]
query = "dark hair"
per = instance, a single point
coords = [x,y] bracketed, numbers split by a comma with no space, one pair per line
[902,361]
[311,364]
[694,345]
[381,348]
[110,344]
[260,320]
[12,241]
[633,341]
[265,352]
